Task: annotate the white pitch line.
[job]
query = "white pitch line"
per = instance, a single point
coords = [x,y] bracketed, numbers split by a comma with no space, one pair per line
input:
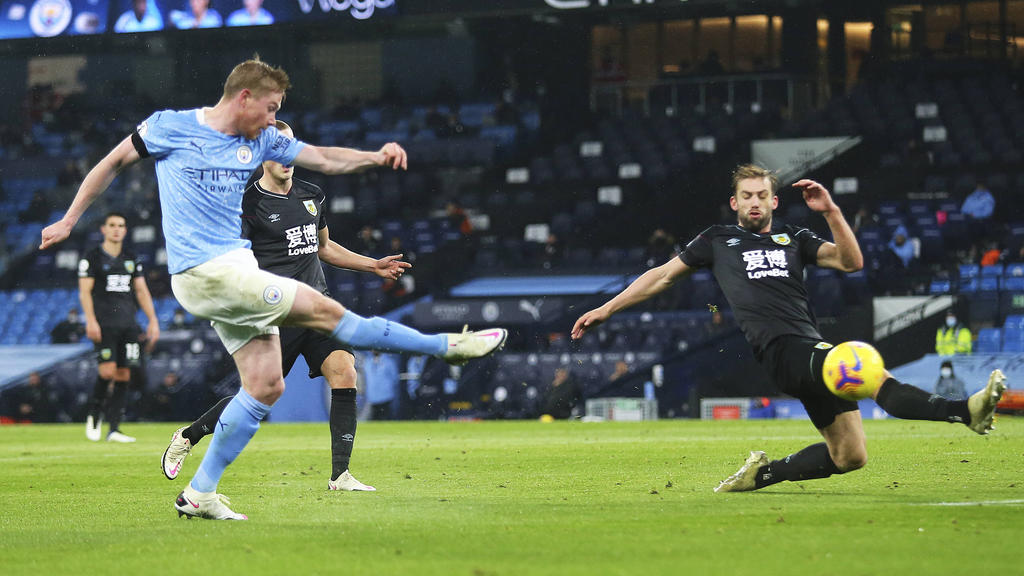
[978,503]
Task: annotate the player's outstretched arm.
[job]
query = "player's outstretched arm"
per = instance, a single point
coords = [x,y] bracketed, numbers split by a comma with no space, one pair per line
[649,284]
[333,160]
[146,304]
[94,184]
[844,254]
[92,327]
[390,267]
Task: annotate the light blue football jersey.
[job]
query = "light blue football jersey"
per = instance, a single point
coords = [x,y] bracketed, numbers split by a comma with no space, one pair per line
[201,174]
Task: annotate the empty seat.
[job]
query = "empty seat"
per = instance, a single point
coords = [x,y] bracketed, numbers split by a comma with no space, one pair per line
[992,270]
[989,341]
[969,271]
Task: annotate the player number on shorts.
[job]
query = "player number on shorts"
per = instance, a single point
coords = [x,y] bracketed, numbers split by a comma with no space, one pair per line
[132,351]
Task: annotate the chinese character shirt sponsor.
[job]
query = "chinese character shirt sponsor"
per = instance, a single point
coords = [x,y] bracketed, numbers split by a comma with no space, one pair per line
[113,296]
[202,175]
[762,276]
[284,230]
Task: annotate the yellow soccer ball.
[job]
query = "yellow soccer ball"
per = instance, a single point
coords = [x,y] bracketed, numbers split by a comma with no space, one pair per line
[853,370]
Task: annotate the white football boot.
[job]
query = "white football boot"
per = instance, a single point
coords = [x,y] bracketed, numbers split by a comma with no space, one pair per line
[208,505]
[467,345]
[175,455]
[119,437]
[348,482]
[92,427]
[982,404]
[743,479]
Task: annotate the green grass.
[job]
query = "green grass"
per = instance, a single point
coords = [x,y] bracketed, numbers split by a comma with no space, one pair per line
[510,498]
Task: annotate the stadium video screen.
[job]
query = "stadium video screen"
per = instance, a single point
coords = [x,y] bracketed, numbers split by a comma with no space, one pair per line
[48,18]
[151,15]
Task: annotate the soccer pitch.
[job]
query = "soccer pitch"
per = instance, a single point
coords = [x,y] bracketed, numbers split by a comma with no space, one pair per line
[496,498]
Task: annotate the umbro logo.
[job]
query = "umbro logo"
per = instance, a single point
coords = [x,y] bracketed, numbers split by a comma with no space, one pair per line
[732,242]
[347,437]
[274,217]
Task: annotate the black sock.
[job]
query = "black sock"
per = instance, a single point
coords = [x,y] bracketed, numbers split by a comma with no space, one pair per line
[99,397]
[810,463]
[343,428]
[910,403]
[115,410]
[206,423]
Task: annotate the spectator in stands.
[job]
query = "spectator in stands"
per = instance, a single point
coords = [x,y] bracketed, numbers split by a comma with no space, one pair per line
[71,330]
[716,326]
[980,204]
[916,156]
[457,215]
[992,255]
[453,127]
[199,15]
[380,377]
[69,175]
[953,338]
[367,240]
[553,252]
[711,65]
[434,121]
[609,70]
[141,18]
[562,397]
[166,402]
[179,321]
[660,247]
[949,386]
[901,246]
[397,292]
[34,401]
[252,13]
[38,209]
[504,113]
[863,218]
[159,282]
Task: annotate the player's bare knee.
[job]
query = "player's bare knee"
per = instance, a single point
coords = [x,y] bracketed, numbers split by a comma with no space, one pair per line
[268,392]
[340,370]
[107,371]
[852,460]
[345,377]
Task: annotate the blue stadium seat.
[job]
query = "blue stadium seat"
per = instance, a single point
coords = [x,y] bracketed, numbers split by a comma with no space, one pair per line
[989,341]
[890,208]
[939,286]
[1013,284]
[921,209]
[1013,339]
[1014,270]
[989,284]
[968,286]
[993,270]
[1014,321]
[969,271]
[932,247]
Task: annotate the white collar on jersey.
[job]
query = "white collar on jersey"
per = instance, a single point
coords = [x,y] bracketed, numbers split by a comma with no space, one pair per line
[201,116]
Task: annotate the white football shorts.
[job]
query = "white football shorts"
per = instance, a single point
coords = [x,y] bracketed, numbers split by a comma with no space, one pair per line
[241,301]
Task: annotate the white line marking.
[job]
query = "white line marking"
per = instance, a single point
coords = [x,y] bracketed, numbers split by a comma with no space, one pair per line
[978,503]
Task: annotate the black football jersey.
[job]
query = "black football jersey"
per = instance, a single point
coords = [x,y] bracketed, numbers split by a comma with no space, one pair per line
[113,295]
[762,276]
[284,228]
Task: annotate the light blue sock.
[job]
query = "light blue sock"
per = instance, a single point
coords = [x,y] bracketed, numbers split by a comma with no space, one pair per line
[235,427]
[379,334]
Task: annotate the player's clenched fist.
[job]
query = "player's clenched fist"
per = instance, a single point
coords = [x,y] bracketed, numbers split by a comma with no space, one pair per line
[394,156]
[55,234]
